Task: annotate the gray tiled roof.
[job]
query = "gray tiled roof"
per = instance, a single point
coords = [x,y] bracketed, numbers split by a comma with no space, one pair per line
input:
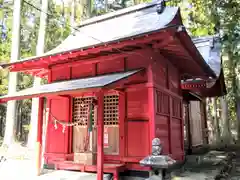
[71,85]
[118,27]
[210,49]
[131,22]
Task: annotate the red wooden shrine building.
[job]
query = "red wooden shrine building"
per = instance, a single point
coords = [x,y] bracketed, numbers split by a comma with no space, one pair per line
[114,85]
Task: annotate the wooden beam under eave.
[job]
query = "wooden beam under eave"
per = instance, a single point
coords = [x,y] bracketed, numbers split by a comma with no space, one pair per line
[164,42]
[76,61]
[202,64]
[100,129]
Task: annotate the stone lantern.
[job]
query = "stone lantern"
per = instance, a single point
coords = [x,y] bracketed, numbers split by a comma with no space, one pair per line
[159,163]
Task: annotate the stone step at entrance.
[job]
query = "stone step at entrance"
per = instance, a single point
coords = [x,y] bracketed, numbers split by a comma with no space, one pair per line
[71,175]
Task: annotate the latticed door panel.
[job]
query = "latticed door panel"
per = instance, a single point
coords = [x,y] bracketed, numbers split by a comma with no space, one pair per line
[81,115]
[111,110]
[81,110]
[111,128]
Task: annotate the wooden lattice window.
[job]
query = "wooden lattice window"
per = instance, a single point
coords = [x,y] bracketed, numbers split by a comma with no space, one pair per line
[162,103]
[81,110]
[111,110]
[176,107]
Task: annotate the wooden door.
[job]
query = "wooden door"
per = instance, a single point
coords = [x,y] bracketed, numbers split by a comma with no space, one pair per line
[196,123]
[111,125]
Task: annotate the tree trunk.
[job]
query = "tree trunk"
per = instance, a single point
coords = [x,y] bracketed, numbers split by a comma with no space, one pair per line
[19,104]
[73,13]
[1,126]
[226,132]
[32,137]
[11,105]
[238,118]
[106,5]
[85,7]
[235,85]
[216,121]
[210,121]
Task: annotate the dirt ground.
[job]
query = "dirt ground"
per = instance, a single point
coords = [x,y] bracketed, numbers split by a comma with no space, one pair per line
[206,166]
[202,167]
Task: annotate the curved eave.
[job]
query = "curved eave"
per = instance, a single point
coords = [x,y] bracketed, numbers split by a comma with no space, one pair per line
[205,88]
[218,89]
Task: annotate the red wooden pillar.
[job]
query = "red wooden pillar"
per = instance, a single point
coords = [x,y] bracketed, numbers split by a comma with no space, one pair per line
[100,127]
[48,119]
[122,116]
[170,130]
[39,135]
[170,111]
[151,106]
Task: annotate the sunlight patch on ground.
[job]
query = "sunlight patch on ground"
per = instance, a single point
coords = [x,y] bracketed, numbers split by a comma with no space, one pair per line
[16,151]
[16,170]
[19,164]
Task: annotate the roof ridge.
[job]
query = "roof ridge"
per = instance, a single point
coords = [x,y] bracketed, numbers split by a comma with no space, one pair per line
[117,13]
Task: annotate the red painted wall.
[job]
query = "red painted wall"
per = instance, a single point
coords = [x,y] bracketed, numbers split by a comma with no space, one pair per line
[168,106]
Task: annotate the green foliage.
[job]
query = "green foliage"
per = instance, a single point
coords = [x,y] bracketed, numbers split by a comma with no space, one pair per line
[58,27]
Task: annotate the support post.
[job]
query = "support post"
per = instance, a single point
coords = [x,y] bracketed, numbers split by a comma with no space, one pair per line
[39,137]
[151,106]
[100,127]
[170,124]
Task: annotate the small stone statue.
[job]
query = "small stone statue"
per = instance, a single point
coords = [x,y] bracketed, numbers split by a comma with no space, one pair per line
[156,147]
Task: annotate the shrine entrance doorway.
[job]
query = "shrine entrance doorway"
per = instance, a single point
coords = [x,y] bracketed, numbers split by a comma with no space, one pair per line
[85,132]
